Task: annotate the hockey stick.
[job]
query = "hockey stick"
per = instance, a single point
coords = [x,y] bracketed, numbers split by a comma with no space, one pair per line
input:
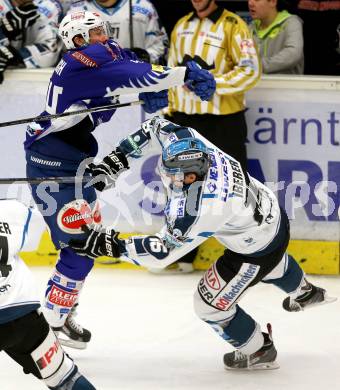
[69,113]
[132,43]
[54,179]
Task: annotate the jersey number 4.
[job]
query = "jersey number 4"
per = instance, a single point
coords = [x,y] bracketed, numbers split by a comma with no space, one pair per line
[4,267]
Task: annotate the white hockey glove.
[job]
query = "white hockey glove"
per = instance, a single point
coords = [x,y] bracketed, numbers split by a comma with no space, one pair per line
[107,171]
[99,242]
[18,19]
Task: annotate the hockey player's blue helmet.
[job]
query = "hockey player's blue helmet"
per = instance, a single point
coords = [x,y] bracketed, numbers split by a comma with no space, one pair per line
[188,155]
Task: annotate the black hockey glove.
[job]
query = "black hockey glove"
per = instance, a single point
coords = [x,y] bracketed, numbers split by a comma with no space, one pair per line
[18,19]
[107,171]
[8,56]
[141,54]
[99,242]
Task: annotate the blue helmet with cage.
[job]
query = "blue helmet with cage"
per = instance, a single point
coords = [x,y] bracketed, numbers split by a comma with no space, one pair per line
[188,155]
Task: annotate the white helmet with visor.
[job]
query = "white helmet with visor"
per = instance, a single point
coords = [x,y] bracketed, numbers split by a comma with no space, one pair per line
[80,23]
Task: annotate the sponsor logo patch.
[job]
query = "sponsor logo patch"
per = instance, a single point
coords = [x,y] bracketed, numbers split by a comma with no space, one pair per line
[78,15]
[212,279]
[62,298]
[190,156]
[75,214]
[236,286]
[46,359]
[84,59]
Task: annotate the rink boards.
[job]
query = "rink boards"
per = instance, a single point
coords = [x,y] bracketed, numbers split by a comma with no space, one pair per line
[292,145]
[315,257]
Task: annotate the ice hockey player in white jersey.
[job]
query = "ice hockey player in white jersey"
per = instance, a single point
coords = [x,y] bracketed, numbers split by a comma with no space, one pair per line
[24,333]
[209,195]
[28,33]
[145,36]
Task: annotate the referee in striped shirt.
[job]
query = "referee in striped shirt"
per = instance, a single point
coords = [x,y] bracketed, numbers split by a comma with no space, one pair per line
[219,41]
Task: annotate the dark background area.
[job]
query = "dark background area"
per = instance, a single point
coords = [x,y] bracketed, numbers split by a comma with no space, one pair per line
[171,10]
[320,35]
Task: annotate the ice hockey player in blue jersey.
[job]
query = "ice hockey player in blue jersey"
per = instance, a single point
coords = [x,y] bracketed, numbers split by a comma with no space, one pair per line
[92,73]
[135,24]
[209,195]
[25,335]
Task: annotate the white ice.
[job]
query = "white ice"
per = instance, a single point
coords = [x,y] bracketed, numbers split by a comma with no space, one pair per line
[145,336]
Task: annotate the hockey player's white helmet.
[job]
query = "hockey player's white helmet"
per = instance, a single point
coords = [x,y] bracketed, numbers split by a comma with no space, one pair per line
[79,23]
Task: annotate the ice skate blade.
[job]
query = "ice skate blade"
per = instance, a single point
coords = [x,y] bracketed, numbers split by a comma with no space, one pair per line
[73,343]
[255,367]
[324,302]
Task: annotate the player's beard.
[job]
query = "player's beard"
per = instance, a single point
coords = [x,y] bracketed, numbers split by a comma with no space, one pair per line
[205,7]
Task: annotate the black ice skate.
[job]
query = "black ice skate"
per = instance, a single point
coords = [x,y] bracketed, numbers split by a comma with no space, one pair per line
[263,359]
[312,296]
[71,334]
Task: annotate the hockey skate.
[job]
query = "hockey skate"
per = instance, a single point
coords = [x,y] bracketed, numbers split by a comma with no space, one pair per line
[312,296]
[263,359]
[71,334]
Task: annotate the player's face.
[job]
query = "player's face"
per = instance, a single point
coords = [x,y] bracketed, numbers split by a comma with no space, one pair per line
[106,3]
[98,34]
[201,5]
[179,179]
[259,9]
[19,3]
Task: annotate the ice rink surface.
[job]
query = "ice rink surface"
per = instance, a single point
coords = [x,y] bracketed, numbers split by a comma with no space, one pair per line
[145,336]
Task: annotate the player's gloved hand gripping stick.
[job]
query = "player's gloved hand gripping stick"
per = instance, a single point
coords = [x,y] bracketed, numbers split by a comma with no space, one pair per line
[99,242]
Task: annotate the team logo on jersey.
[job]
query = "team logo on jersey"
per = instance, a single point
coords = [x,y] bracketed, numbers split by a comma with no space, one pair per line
[173,238]
[77,213]
[211,187]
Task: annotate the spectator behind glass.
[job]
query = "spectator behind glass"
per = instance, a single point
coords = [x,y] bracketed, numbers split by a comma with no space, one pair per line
[278,35]
[28,34]
[145,36]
